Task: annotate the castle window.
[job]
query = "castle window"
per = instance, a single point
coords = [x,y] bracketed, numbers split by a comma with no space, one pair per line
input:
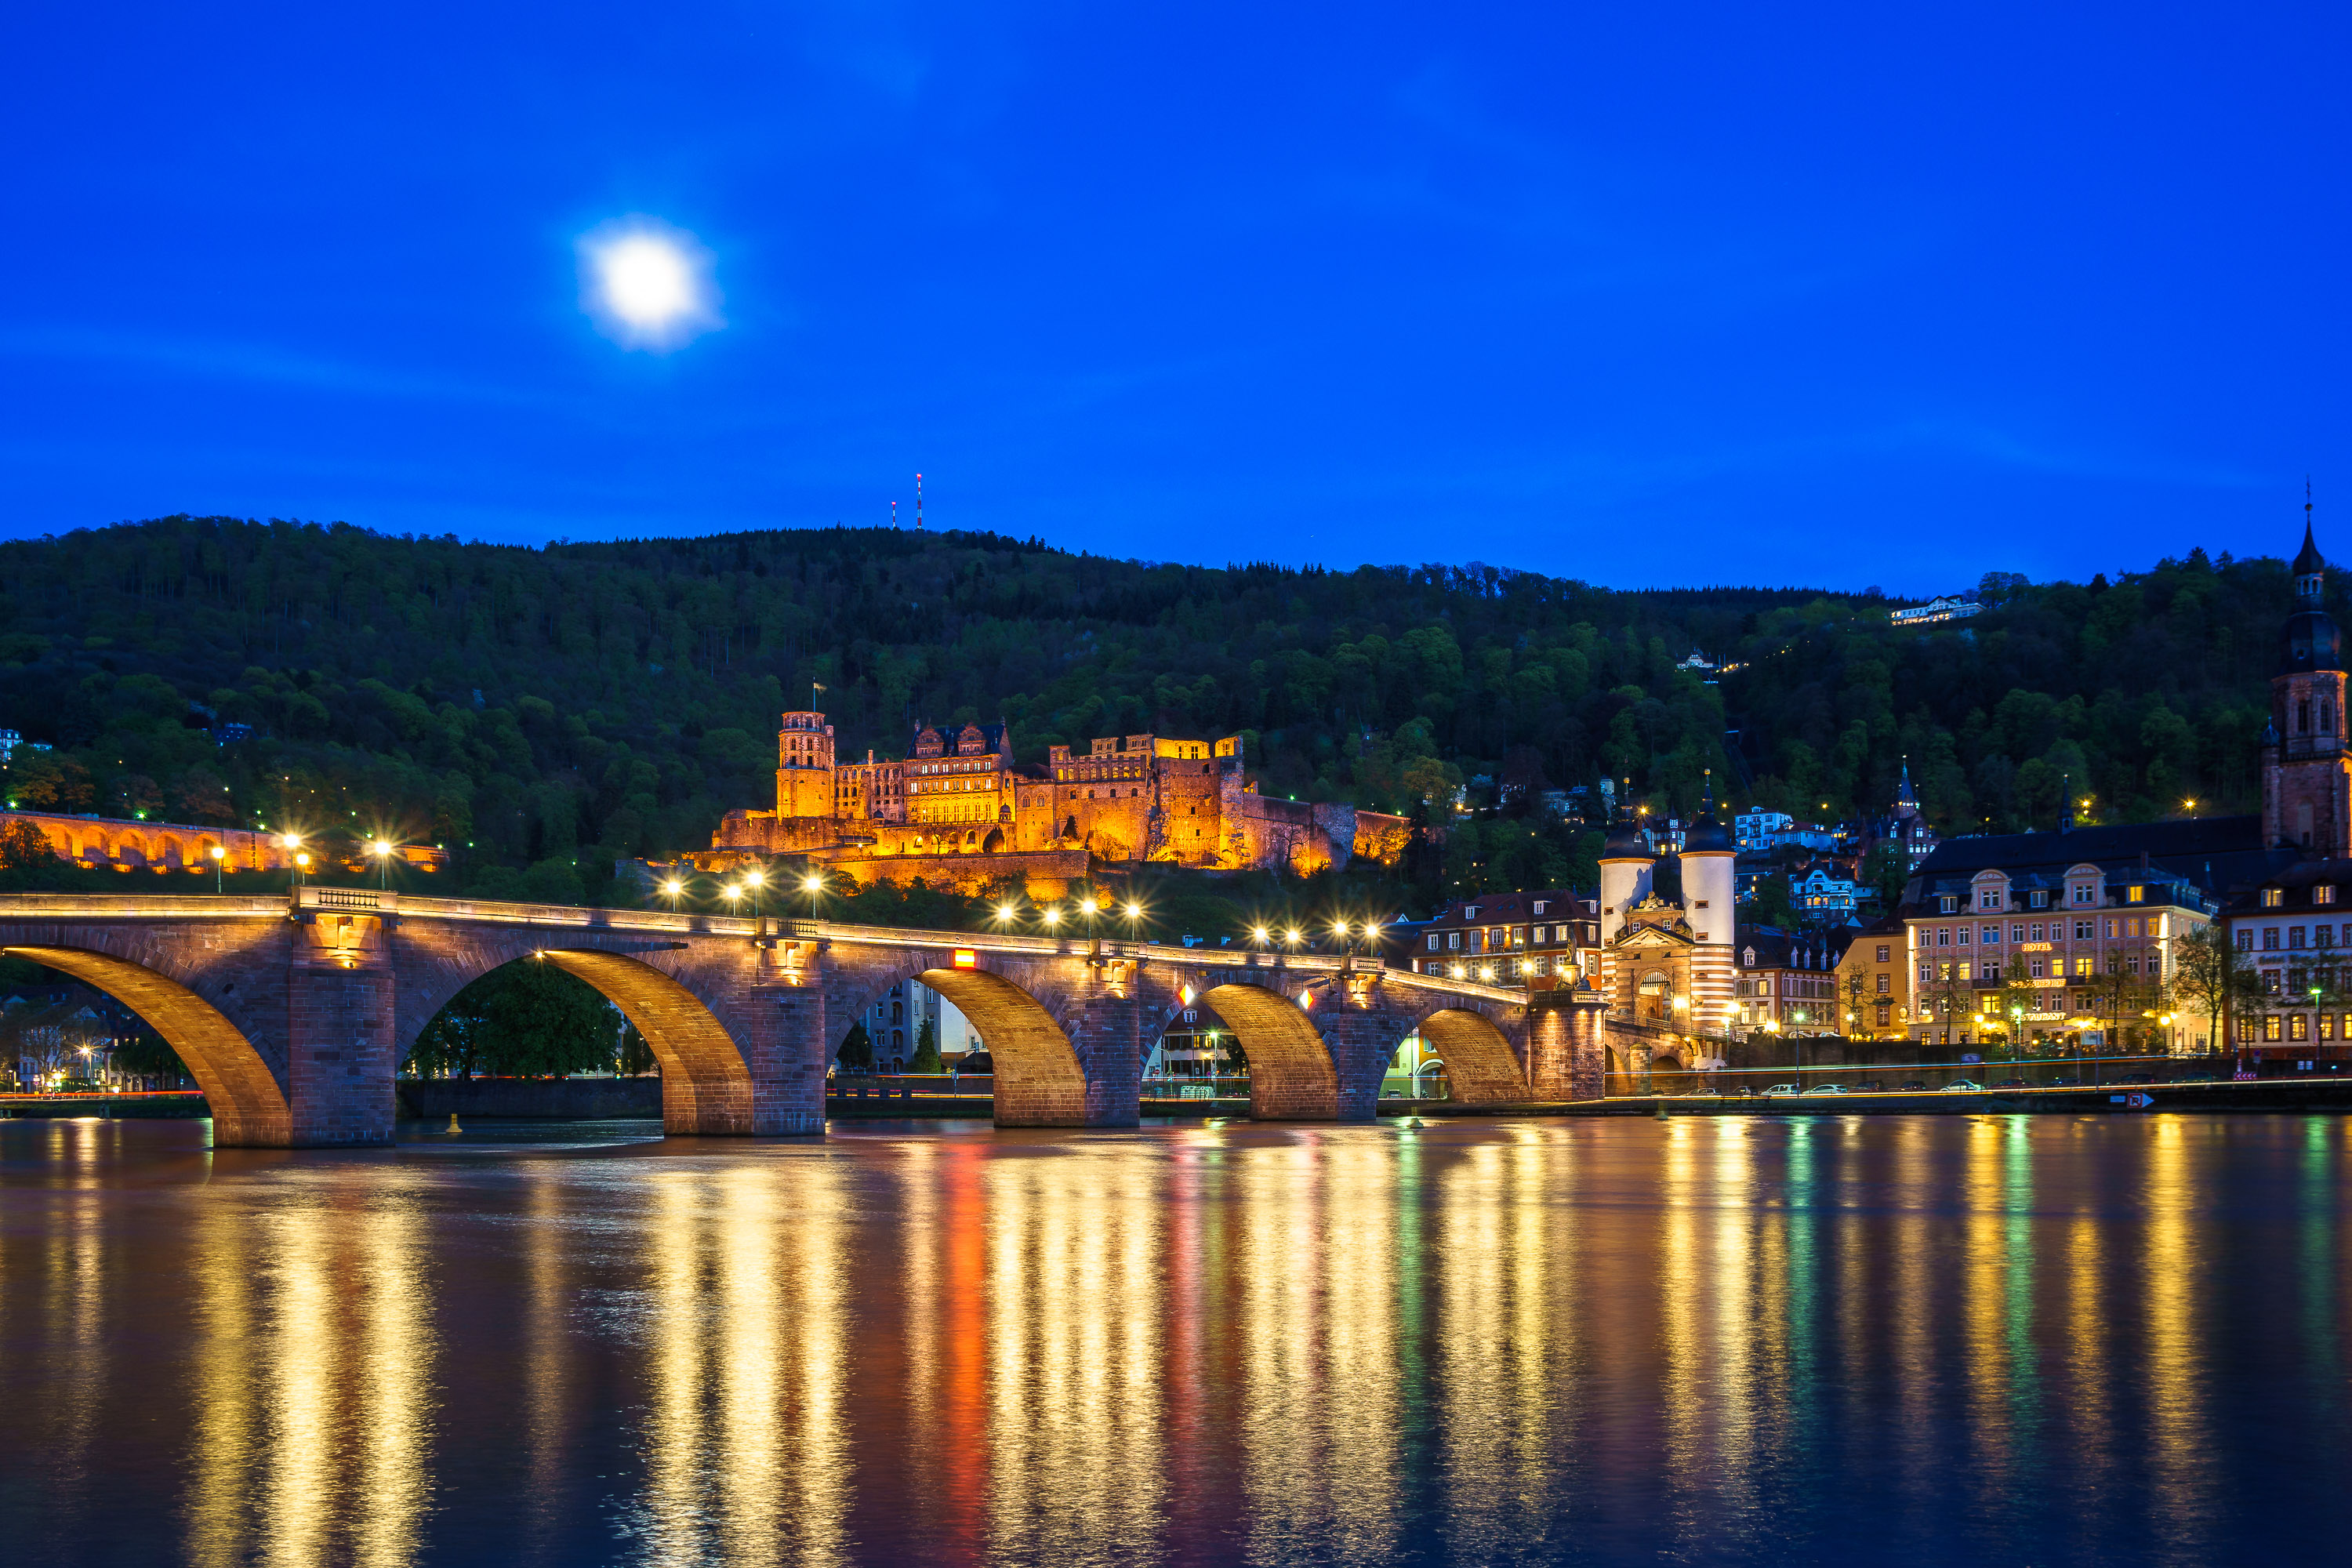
[2302,718]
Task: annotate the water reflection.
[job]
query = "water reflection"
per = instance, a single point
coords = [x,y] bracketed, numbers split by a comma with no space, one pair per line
[312,1378]
[1724,1340]
[745,1457]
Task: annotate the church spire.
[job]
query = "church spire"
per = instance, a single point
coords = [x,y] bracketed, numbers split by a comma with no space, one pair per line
[2310,567]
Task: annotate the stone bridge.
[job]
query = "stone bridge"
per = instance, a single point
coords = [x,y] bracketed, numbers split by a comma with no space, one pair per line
[293,1013]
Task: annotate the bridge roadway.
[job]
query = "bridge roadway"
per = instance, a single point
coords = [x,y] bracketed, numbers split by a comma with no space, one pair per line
[294,1014]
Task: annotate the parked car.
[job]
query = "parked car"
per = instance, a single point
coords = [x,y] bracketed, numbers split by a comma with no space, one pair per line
[2064,1083]
[1962,1086]
[1781,1089]
[2137,1078]
[1827,1088]
[1868,1086]
[1914,1083]
[2013,1083]
[1745,1091]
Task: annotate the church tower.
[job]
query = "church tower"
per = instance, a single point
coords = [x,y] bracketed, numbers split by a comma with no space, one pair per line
[2306,777]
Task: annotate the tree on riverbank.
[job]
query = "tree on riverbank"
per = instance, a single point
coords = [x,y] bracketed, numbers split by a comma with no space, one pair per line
[526,1020]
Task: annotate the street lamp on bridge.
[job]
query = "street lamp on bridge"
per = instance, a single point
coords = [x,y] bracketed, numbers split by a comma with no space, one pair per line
[219,853]
[381,849]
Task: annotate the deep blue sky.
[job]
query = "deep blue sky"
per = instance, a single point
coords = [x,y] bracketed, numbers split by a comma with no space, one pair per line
[1646,295]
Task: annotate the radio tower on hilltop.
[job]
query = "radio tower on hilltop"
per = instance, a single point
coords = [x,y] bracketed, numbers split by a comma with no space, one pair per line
[918,503]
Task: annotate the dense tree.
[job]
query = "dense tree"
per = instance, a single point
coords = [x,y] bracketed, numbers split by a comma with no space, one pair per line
[542,713]
[526,1020]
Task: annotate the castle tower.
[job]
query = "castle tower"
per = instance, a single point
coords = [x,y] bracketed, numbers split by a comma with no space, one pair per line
[804,767]
[2306,776]
[1626,869]
[1710,893]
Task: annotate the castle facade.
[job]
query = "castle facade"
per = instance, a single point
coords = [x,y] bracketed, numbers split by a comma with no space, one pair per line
[956,810]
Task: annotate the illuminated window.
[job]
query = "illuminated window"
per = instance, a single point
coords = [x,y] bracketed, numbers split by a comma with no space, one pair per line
[2135,895]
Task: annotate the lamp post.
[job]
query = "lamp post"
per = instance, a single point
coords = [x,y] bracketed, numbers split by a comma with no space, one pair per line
[301,867]
[1134,918]
[219,854]
[755,880]
[673,890]
[813,885]
[292,843]
[382,850]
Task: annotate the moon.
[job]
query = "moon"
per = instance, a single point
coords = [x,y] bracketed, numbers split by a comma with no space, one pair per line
[647,284]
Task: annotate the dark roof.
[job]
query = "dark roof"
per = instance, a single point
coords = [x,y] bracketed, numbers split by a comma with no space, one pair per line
[2211,852]
[1501,909]
[1625,842]
[1778,948]
[2308,560]
[2297,881]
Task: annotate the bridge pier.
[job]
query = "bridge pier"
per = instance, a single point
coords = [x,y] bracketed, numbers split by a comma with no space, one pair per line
[1567,1046]
[340,1050]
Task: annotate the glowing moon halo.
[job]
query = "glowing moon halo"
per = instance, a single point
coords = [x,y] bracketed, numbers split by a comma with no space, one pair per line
[647,284]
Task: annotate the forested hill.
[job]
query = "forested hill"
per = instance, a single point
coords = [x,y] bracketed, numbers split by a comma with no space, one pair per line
[620,695]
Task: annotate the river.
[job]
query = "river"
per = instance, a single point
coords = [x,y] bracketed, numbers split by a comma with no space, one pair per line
[1730,1339]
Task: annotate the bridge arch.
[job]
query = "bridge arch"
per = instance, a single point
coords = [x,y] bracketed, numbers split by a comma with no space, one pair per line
[1040,1079]
[1481,1067]
[248,1102]
[705,1082]
[1292,1075]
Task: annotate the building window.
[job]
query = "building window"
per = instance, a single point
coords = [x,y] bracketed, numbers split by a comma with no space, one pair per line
[1992,935]
[1988,898]
[2269,939]
[1965,933]
[2325,894]
[2323,936]
[2035,965]
[2086,930]
[2273,897]
[2135,895]
[2298,1027]
[2245,940]
[1882,952]
[1943,936]
[1432,942]
[2294,936]
[2270,1026]
[2327,1025]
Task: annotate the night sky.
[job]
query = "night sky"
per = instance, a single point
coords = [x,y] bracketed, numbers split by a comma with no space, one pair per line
[1853,295]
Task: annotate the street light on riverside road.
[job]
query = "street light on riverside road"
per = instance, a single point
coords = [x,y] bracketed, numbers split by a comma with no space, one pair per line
[381,849]
[219,854]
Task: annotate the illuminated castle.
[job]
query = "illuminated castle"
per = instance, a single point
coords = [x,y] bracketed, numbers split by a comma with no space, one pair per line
[956,810]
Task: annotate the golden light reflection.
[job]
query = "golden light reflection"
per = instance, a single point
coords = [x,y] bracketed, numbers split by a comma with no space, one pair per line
[2175,1364]
[748,1461]
[1076,1412]
[1319,1260]
[312,1374]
